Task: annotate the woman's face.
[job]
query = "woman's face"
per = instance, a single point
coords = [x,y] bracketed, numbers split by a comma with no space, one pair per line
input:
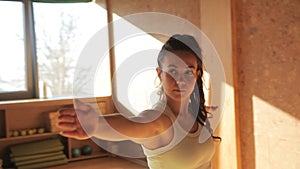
[179,74]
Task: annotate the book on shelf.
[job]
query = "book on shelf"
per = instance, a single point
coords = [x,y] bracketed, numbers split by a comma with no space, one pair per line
[38,154]
[37,147]
[41,160]
[44,164]
[30,157]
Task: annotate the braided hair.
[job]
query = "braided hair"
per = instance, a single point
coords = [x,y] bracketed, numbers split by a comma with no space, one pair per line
[197,101]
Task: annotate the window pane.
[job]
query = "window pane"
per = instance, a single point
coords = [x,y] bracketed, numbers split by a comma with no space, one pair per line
[62,31]
[12,51]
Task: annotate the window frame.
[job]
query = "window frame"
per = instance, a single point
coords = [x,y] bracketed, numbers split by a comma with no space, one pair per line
[30,57]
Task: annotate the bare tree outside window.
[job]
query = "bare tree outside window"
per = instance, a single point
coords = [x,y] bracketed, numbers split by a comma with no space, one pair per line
[56,63]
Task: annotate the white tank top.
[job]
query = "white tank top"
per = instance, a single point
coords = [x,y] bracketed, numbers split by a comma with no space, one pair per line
[183,152]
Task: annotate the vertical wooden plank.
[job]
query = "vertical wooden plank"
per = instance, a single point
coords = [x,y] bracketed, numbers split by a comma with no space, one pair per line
[216,24]
[111,41]
[235,82]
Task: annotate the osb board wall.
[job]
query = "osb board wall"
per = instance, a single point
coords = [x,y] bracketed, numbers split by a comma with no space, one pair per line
[268,48]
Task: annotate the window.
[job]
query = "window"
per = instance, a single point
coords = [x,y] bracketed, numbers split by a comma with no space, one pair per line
[12,78]
[62,31]
[40,46]
[41,62]
[15,67]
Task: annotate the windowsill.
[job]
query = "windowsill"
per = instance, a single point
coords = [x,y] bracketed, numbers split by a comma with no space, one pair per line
[67,100]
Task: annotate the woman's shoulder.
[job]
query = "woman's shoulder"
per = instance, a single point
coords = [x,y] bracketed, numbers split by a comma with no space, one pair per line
[155,111]
[150,115]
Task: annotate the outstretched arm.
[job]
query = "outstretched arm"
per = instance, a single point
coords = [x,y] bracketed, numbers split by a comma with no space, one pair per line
[83,122]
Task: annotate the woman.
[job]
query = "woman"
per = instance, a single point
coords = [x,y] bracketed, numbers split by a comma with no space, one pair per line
[169,133]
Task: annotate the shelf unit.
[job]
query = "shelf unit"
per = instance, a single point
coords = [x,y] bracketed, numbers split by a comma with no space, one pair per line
[28,114]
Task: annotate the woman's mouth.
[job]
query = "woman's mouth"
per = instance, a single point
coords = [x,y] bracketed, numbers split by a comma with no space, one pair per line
[179,90]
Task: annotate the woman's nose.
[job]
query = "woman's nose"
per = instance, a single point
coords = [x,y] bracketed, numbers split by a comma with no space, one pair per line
[180,80]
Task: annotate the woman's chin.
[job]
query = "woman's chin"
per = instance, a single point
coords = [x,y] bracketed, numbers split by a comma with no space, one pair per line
[180,96]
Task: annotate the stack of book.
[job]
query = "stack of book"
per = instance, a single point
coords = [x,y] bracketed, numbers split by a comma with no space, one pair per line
[38,154]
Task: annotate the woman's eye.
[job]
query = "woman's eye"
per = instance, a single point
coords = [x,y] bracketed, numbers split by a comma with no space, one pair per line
[189,72]
[172,71]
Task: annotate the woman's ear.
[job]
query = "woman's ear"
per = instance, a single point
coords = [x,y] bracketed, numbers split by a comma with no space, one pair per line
[158,70]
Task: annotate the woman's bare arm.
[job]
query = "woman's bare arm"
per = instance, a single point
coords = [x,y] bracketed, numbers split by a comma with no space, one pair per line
[84,122]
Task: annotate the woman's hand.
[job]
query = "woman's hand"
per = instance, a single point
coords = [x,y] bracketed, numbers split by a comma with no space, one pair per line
[79,122]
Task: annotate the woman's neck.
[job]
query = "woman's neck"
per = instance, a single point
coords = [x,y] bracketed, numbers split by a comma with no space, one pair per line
[186,120]
[178,106]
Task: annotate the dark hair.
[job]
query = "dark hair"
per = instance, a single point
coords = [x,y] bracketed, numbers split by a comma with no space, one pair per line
[189,44]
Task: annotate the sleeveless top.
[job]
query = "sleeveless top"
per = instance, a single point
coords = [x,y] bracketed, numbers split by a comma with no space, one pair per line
[184,150]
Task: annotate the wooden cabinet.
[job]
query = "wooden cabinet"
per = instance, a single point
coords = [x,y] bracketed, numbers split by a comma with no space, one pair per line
[30,114]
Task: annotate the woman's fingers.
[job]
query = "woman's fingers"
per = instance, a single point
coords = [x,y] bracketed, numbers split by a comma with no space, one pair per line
[67,111]
[71,128]
[66,118]
[74,134]
[67,126]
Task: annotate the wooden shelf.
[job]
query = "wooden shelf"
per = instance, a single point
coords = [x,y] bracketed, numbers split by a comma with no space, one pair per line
[29,114]
[28,136]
